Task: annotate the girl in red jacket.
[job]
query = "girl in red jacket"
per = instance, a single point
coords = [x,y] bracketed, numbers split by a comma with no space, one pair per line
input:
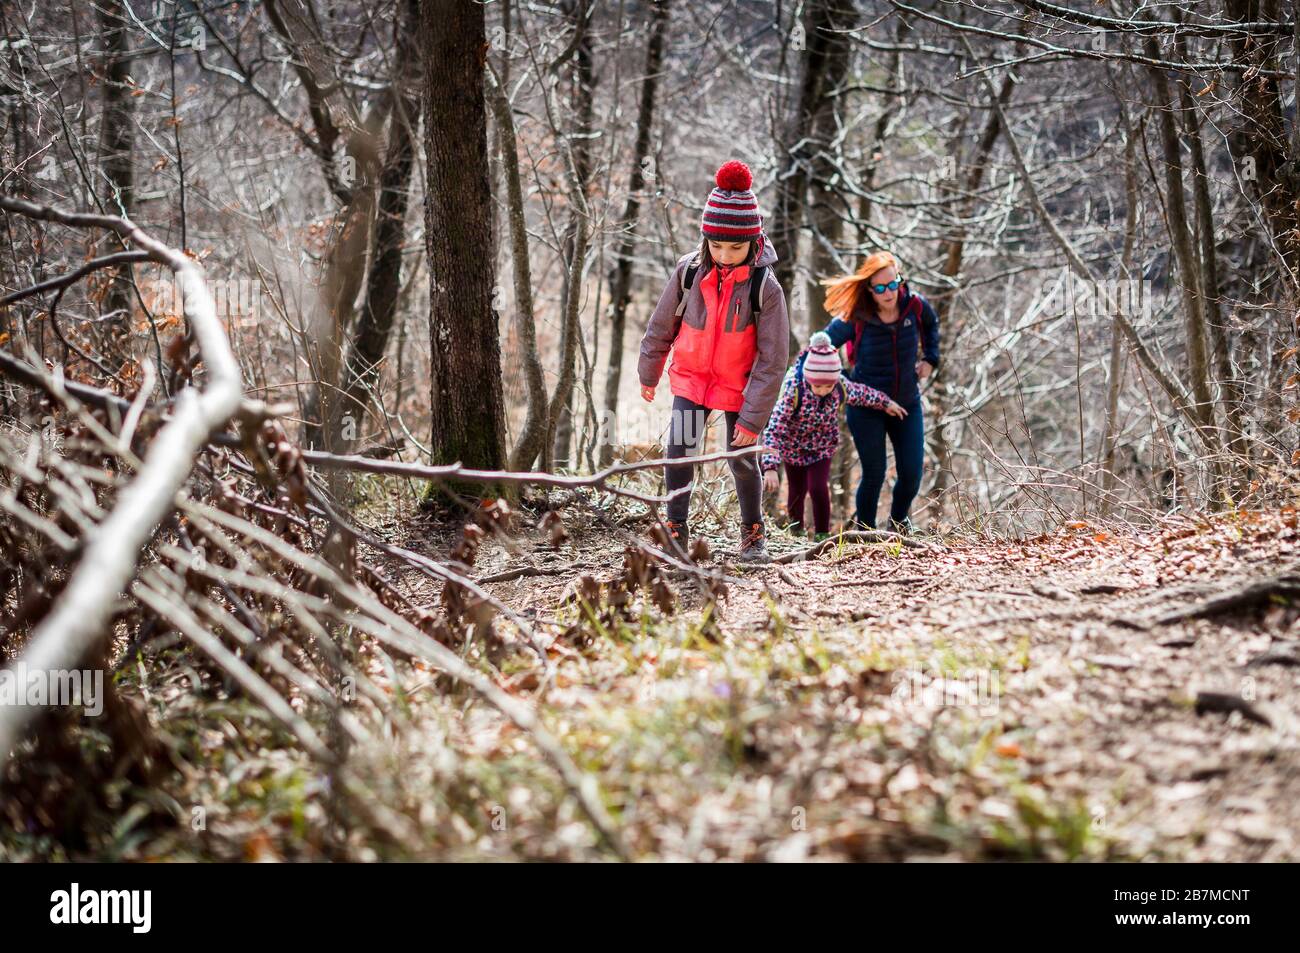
[723,316]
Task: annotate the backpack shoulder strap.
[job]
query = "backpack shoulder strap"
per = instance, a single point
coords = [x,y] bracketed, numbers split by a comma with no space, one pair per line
[756,282]
[856,342]
[688,279]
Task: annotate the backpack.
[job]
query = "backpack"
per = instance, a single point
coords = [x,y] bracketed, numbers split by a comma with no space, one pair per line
[757,277]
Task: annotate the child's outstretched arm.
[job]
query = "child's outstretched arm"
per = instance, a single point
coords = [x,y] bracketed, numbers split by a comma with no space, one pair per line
[661,331]
[778,427]
[860,395]
[773,341]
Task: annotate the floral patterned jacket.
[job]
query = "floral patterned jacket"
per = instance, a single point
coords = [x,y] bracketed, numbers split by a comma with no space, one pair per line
[802,435]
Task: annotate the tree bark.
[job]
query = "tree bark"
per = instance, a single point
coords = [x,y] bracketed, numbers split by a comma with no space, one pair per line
[847,454]
[467,421]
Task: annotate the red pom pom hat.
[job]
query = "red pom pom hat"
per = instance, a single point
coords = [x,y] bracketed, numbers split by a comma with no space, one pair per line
[731,213]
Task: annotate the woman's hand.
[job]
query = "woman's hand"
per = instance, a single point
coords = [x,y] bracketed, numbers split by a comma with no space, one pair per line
[647,394]
[743,438]
[896,410]
[923,370]
[771,483]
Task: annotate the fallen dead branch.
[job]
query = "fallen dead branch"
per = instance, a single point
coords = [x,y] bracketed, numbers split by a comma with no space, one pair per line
[372,617]
[99,523]
[108,563]
[854,536]
[599,480]
[881,581]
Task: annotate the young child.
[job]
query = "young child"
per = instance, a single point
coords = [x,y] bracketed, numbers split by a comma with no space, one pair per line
[722,314]
[805,429]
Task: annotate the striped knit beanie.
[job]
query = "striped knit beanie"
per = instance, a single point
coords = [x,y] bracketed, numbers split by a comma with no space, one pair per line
[731,213]
[822,365]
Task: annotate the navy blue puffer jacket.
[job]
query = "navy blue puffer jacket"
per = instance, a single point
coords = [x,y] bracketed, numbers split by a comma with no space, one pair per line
[885,354]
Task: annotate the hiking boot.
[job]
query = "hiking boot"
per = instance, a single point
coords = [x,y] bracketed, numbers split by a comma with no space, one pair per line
[678,534]
[753,545]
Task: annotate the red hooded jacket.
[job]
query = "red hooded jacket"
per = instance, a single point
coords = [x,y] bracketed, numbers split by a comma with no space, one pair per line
[722,358]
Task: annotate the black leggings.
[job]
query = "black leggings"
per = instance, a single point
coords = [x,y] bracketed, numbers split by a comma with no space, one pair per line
[685,435]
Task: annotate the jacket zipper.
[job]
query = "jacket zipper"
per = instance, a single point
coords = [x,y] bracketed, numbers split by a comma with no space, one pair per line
[713,338]
[717,324]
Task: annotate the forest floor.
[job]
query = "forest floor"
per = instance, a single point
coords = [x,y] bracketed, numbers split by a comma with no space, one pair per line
[1091,694]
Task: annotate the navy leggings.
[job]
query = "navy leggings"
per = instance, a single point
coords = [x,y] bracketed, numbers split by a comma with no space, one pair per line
[869,428]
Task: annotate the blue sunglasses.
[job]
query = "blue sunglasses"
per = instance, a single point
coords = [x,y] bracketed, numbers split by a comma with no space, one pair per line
[881,289]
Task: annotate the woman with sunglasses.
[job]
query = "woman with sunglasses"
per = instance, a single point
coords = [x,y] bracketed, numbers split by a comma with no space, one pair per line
[892,335]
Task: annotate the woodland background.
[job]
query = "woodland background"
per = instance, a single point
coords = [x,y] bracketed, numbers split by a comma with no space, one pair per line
[427,238]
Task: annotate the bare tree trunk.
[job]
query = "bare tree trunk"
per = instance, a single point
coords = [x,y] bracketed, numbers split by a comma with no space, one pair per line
[1189,269]
[467,422]
[117,144]
[559,406]
[559,431]
[829,208]
[1110,431]
[530,440]
[825,45]
[1215,326]
[345,272]
[1260,137]
[370,341]
[334,117]
[621,280]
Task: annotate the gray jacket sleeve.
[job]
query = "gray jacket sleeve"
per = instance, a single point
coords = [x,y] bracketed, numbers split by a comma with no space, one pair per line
[773,341]
[661,332]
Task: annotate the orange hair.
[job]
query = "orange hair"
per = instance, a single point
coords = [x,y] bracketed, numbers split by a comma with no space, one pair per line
[842,292]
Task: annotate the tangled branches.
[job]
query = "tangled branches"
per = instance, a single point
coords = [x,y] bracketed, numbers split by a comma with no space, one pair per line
[134,527]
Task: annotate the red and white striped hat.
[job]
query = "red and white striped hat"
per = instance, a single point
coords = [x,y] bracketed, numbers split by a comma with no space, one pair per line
[731,213]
